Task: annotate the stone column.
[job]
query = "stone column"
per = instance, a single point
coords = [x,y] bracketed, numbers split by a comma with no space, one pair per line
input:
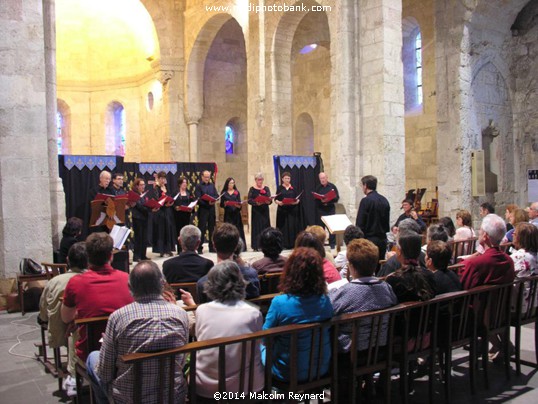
[344,111]
[193,139]
[57,196]
[381,144]
[25,222]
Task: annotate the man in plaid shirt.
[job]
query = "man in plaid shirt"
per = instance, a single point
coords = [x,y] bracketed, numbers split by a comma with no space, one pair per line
[149,324]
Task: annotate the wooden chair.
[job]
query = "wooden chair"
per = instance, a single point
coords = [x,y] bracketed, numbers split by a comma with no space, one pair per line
[364,361]
[263,301]
[526,312]
[415,327]
[54,368]
[248,344]
[54,269]
[189,287]
[269,282]
[94,327]
[463,247]
[493,313]
[457,328]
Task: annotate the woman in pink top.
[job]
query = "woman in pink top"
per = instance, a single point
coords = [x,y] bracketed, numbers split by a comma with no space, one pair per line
[307,239]
[464,222]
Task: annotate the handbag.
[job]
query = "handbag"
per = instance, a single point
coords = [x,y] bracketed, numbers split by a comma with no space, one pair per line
[29,267]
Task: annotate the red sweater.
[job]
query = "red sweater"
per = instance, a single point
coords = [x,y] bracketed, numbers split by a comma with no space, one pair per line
[494,267]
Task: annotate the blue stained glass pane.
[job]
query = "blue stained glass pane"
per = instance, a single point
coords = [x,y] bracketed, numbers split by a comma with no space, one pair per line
[229,139]
[419,76]
[59,120]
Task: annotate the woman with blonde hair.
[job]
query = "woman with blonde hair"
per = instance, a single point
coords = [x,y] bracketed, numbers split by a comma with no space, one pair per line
[465,230]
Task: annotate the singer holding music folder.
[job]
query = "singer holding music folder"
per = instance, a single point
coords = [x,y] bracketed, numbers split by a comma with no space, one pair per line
[287,214]
[231,202]
[326,196]
[259,197]
[182,211]
[163,239]
[140,214]
[207,195]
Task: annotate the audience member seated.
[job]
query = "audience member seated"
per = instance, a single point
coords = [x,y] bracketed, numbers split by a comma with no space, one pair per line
[50,309]
[516,217]
[364,293]
[148,324]
[449,226]
[485,209]
[226,315]
[411,282]
[320,234]
[307,239]
[526,247]
[225,239]
[270,242]
[507,213]
[303,300]
[438,256]
[70,234]
[351,233]
[533,213]
[465,229]
[436,232]
[97,292]
[188,266]
[392,264]
[493,267]
[410,213]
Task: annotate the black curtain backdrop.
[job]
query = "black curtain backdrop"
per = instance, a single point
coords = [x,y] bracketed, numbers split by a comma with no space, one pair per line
[78,182]
[303,178]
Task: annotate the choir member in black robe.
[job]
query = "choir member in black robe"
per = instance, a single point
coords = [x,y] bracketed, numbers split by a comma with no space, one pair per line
[140,215]
[260,211]
[287,216]
[182,218]
[206,209]
[326,207]
[163,239]
[232,211]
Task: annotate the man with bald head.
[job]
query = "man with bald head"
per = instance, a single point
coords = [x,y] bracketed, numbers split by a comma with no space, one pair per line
[149,324]
[326,206]
[104,185]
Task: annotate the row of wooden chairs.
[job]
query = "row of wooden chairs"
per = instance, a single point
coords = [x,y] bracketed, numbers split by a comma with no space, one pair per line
[268,285]
[397,335]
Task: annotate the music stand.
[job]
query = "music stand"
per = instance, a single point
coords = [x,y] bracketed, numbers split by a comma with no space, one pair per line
[336,224]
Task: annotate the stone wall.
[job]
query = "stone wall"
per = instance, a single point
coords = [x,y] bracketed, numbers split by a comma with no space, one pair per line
[25,219]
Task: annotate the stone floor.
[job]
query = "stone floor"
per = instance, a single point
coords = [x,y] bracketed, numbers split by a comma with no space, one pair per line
[24,380]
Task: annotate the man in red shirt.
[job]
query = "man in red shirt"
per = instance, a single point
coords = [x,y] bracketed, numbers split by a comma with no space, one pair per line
[493,267]
[97,292]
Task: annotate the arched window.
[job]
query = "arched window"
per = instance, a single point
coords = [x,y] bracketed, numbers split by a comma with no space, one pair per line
[418,66]
[115,129]
[59,124]
[412,65]
[229,139]
[63,127]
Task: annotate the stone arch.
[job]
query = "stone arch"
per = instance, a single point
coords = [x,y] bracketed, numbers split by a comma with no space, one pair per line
[303,139]
[492,129]
[194,81]
[281,51]
[65,111]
